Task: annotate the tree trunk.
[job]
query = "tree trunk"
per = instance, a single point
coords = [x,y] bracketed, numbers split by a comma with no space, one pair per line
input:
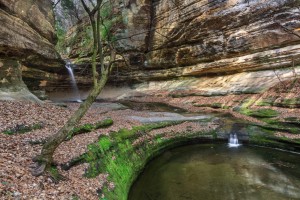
[45,160]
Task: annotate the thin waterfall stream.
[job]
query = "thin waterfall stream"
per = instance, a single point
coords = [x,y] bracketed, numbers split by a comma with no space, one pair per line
[69,67]
[233,140]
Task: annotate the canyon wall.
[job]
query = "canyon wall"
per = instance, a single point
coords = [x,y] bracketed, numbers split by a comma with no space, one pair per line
[210,37]
[27,40]
[196,38]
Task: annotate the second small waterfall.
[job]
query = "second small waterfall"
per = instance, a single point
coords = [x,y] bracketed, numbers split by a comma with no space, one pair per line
[233,140]
[73,82]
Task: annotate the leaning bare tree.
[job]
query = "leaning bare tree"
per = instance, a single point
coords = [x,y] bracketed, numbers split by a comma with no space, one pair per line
[103,47]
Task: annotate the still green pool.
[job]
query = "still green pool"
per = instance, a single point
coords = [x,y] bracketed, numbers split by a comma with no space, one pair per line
[214,171]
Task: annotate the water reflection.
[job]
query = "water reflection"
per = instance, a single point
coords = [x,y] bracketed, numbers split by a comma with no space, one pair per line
[217,172]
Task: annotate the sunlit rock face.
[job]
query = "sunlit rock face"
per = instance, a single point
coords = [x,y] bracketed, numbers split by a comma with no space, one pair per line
[199,37]
[28,34]
[171,39]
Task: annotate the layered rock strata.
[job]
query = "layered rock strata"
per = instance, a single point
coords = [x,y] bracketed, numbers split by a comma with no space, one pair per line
[27,38]
[12,86]
[203,37]
[28,33]
[167,39]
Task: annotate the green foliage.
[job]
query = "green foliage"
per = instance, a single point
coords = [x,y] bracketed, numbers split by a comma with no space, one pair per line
[67,4]
[61,34]
[21,128]
[264,103]
[55,175]
[214,134]
[109,23]
[88,39]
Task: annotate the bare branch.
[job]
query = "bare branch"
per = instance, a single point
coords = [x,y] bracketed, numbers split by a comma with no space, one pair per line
[93,4]
[287,30]
[86,8]
[55,4]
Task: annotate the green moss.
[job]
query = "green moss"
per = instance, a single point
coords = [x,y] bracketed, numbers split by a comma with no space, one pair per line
[289,103]
[214,134]
[55,175]
[264,141]
[264,103]
[90,127]
[260,113]
[116,156]
[83,129]
[269,101]
[124,134]
[213,105]
[105,144]
[21,128]
[247,103]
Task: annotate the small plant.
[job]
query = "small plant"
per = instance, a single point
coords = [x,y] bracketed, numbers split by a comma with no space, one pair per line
[22,128]
[55,175]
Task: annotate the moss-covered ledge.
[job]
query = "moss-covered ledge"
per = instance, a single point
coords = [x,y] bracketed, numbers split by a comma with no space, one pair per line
[124,154]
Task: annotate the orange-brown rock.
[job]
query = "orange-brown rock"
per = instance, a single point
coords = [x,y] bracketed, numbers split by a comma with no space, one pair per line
[27,38]
[199,37]
[170,39]
[28,34]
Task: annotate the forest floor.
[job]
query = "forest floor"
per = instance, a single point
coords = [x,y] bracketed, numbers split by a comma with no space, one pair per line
[17,150]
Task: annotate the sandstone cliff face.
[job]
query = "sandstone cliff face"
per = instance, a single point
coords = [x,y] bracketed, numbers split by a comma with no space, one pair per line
[169,39]
[199,37]
[12,86]
[27,38]
[28,34]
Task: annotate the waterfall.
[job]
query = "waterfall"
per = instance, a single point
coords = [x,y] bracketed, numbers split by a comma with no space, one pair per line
[233,140]
[73,82]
